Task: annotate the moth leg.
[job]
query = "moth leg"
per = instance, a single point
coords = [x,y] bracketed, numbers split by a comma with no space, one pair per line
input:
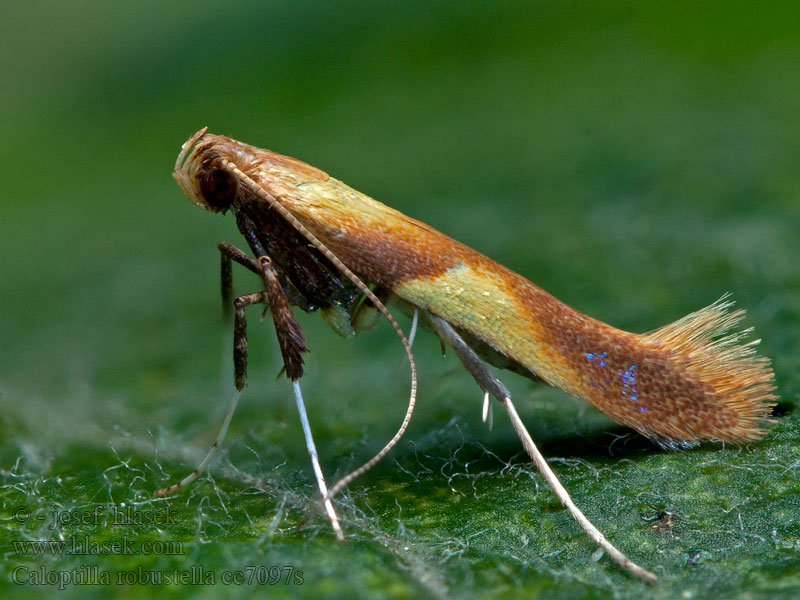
[240,335]
[491,385]
[232,308]
[239,359]
[292,344]
[228,253]
[312,453]
[211,452]
[412,333]
[287,329]
[240,377]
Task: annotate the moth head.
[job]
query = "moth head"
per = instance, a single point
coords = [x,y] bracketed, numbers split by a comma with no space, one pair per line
[212,171]
[201,173]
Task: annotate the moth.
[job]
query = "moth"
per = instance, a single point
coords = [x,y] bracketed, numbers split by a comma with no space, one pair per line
[318,244]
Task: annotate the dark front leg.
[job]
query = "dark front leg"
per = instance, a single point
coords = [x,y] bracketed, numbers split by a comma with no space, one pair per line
[287,329]
[228,253]
[240,335]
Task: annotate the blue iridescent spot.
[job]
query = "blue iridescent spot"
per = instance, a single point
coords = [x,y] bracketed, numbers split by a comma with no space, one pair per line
[643,409]
[629,383]
[599,357]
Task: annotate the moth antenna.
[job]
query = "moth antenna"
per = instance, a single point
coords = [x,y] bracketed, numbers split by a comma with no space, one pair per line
[223,430]
[337,262]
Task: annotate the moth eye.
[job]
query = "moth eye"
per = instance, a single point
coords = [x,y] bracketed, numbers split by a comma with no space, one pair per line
[219,189]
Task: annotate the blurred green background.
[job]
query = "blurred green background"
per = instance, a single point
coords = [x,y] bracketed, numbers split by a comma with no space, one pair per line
[635,161]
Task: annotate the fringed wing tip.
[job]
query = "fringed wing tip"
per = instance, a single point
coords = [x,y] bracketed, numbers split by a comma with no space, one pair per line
[738,384]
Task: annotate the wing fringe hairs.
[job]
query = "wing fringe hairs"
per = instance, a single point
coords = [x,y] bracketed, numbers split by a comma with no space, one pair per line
[733,377]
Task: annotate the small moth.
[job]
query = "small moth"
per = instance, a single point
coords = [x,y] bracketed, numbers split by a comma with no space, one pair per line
[318,244]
